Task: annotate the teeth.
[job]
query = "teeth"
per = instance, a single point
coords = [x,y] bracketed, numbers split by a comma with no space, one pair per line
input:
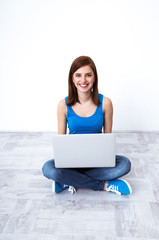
[83,85]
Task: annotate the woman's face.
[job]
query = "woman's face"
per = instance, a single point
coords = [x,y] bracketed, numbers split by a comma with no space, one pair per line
[84,79]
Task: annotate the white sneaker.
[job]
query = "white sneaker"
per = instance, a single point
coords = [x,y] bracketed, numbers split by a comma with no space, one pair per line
[72,189]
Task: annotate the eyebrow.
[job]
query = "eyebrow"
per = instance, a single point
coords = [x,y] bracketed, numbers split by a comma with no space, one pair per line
[86,73]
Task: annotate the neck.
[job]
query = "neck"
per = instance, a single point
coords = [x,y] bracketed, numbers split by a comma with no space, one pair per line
[84,97]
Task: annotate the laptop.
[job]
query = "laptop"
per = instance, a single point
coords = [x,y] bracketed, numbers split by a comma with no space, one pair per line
[84,150]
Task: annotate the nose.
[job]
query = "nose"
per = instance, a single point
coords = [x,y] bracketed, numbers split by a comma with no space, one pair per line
[83,79]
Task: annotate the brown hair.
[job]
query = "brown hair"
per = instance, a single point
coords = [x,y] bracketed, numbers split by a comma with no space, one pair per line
[72,91]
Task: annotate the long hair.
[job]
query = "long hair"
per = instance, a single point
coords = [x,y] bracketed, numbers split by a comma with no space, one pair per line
[72,91]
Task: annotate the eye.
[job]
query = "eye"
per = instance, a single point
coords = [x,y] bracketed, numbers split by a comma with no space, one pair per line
[77,75]
[89,75]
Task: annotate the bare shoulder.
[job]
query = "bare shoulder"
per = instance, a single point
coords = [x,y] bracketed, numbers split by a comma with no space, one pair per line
[62,107]
[107,105]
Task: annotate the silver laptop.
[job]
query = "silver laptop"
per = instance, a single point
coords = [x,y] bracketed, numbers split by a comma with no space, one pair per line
[84,150]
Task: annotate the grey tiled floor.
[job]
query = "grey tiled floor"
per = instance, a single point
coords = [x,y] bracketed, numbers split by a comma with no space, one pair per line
[29,210]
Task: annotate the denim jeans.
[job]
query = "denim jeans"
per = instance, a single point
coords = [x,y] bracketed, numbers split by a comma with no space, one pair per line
[92,178]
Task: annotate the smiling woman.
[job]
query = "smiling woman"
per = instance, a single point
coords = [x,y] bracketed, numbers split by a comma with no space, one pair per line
[82,70]
[86,111]
[83,78]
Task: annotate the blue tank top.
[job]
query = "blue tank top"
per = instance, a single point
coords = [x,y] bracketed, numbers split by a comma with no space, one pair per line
[85,125]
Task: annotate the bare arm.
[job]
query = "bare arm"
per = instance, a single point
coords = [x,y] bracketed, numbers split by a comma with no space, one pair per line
[108,115]
[61,117]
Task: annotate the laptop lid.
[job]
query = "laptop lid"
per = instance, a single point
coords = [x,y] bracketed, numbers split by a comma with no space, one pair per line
[84,150]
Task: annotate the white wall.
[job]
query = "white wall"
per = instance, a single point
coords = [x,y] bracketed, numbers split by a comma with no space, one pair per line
[39,39]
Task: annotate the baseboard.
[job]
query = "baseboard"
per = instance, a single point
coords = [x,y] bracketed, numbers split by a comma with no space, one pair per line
[55,132]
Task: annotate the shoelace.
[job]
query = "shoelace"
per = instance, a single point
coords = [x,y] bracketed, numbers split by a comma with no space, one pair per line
[113,188]
[72,189]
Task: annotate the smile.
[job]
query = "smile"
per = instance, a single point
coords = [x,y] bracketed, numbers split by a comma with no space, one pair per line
[83,85]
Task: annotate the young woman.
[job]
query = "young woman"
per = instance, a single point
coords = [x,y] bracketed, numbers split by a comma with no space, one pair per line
[87,111]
